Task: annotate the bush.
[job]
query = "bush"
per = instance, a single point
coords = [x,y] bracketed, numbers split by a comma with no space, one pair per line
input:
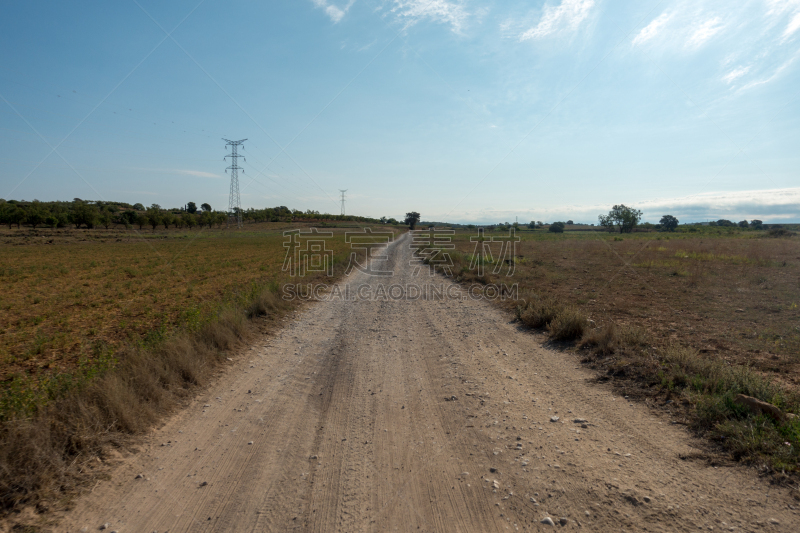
[539,313]
[556,227]
[569,324]
[780,232]
[562,322]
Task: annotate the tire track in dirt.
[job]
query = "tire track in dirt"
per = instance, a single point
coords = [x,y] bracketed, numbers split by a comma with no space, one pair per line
[354,428]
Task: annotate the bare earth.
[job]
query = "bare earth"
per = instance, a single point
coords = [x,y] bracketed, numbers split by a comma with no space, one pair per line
[346,421]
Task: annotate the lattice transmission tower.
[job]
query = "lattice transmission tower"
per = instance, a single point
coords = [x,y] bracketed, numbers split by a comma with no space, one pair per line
[342,191]
[234,202]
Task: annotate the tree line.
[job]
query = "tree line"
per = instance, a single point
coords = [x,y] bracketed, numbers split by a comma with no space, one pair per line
[94,214]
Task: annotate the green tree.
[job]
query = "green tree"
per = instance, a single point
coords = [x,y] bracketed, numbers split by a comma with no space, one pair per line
[189,221]
[744,224]
[668,223]
[104,219]
[154,215]
[191,208]
[138,207]
[167,218]
[34,215]
[140,220]
[205,207]
[412,219]
[622,216]
[556,227]
[84,214]
[756,224]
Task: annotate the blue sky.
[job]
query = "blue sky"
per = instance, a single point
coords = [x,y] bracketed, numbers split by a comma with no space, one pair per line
[464,111]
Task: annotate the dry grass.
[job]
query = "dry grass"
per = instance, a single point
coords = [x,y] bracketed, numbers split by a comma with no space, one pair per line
[53,451]
[705,316]
[101,340]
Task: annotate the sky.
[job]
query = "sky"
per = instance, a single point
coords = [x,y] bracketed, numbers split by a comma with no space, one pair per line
[465,111]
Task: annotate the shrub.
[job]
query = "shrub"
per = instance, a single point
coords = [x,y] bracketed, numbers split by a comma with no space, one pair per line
[556,227]
[604,339]
[539,313]
[780,232]
[569,324]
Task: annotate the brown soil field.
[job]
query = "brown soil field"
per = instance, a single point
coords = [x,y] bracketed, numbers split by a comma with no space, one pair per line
[73,295]
[734,298]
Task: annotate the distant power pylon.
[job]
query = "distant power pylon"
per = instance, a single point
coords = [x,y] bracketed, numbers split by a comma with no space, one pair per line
[342,191]
[234,203]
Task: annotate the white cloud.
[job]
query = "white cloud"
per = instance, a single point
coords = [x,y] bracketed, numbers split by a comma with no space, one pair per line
[793,26]
[442,11]
[566,16]
[703,32]
[772,77]
[650,31]
[334,12]
[769,205]
[735,73]
[196,173]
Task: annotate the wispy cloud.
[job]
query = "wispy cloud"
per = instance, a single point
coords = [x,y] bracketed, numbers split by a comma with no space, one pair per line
[566,16]
[769,205]
[704,31]
[738,72]
[181,171]
[196,173]
[775,74]
[793,26]
[442,11]
[652,29]
[335,13]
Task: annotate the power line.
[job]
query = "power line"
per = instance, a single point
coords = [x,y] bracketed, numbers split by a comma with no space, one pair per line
[234,202]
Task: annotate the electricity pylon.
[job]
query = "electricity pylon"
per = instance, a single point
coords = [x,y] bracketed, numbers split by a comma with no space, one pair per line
[234,202]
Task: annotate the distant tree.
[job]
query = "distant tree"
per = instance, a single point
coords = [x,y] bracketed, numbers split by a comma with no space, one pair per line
[34,215]
[84,214]
[412,219]
[51,221]
[668,223]
[384,220]
[191,208]
[725,223]
[205,207]
[140,220]
[622,216]
[556,227]
[104,219]
[15,215]
[756,224]
[167,219]
[138,207]
[207,219]
[744,224]
[570,223]
[154,216]
[393,221]
[189,221]
[532,225]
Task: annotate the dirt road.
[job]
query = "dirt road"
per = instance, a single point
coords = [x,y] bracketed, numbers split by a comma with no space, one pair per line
[397,415]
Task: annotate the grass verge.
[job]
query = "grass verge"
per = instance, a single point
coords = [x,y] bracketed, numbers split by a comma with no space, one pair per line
[53,432]
[707,387]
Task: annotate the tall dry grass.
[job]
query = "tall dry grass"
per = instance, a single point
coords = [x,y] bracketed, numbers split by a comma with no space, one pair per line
[51,451]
